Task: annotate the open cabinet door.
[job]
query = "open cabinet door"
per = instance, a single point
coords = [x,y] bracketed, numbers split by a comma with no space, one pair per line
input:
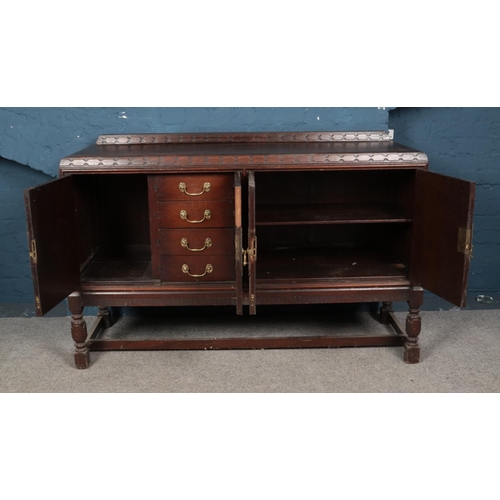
[52,241]
[442,235]
[252,244]
[238,242]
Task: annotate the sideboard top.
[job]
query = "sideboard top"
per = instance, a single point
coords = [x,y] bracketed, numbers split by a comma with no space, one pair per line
[231,151]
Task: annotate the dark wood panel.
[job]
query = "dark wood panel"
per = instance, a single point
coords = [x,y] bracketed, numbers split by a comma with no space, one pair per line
[238,241]
[354,186]
[247,343]
[383,234]
[53,242]
[377,186]
[224,293]
[166,187]
[153,228]
[331,213]
[347,291]
[252,244]
[163,294]
[328,263]
[220,268]
[123,210]
[443,218]
[221,214]
[219,152]
[86,216]
[120,264]
[174,241]
[282,187]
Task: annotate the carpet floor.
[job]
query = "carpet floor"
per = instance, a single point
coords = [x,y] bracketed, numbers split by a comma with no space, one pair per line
[460,352]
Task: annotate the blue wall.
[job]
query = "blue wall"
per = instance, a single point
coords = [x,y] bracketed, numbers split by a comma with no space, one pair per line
[464,142]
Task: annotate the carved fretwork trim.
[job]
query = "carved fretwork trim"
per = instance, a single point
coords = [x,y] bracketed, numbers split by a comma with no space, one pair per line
[233,137]
[413,158]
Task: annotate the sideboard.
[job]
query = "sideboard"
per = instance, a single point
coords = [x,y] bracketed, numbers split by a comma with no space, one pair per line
[243,220]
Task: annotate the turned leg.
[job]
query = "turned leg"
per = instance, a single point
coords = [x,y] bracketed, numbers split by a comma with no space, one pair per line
[104,313]
[385,311]
[413,326]
[79,331]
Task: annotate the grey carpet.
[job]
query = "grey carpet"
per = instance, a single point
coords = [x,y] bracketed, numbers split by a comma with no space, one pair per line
[460,353]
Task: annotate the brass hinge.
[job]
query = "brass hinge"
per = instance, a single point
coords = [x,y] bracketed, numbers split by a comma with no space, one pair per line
[250,252]
[33,251]
[37,300]
[464,244]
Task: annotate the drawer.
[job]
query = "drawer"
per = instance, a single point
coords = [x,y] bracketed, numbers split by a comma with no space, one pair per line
[202,268]
[177,187]
[199,242]
[195,214]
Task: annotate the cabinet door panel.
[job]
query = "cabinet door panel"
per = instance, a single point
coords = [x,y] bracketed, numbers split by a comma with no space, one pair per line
[52,240]
[238,242]
[442,231]
[252,244]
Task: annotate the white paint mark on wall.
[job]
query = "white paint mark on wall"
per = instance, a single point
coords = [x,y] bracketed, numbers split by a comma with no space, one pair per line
[123,115]
[317,118]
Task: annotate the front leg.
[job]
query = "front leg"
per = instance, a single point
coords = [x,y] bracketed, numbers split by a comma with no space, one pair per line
[79,331]
[413,326]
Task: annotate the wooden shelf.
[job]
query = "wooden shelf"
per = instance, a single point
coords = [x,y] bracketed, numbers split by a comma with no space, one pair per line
[330,213]
[131,263]
[329,263]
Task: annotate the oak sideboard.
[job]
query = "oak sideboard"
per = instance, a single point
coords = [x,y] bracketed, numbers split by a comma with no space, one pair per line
[243,220]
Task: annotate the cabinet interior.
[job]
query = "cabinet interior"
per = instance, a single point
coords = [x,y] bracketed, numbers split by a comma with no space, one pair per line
[310,225]
[113,222]
[333,225]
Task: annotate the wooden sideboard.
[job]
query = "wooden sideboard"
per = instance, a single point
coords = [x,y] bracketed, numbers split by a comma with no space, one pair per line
[247,219]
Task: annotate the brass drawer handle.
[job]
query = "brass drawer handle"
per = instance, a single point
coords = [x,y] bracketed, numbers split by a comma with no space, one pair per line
[183,189]
[185,244]
[208,269]
[206,215]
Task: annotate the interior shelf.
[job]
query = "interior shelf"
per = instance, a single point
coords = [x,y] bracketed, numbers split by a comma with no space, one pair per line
[330,213]
[328,262]
[120,264]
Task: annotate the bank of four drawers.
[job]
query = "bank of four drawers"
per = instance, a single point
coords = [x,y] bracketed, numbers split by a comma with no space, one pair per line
[194,227]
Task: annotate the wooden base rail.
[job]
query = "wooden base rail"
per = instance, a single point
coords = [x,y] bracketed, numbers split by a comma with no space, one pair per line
[246,343]
[386,316]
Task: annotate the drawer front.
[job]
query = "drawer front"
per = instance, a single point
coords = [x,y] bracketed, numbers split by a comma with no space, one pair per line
[190,187]
[196,242]
[195,214]
[193,269]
